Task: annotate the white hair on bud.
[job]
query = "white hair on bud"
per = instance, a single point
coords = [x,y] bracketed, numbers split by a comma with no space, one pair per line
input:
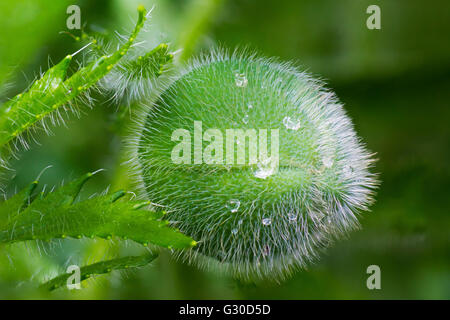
[284,221]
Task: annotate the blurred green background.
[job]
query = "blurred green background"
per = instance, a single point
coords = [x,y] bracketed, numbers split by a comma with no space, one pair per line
[394,82]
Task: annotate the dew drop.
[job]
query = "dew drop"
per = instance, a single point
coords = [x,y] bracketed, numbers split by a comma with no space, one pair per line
[266,221]
[266,168]
[240,80]
[245,119]
[250,106]
[234,231]
[291,124]
[233,205]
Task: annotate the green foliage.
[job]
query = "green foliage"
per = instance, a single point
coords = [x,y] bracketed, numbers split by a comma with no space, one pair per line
[149,65]
[103,267]
[57,215]
[135,79]
[51,92]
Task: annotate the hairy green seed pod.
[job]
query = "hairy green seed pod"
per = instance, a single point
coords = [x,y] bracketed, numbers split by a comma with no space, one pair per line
[263,200]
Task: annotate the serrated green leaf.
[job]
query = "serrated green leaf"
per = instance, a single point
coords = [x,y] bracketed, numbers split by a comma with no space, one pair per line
[103,267]
[51,91]
[17,203]
[55,215]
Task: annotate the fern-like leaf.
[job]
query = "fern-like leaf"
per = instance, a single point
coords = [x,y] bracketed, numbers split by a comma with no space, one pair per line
[57,215]
[51,92]
[103,267]
[134,79]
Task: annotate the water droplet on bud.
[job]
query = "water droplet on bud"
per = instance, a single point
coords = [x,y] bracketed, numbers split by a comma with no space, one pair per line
[233,205]
[266,168]
[240,80]
[292,124]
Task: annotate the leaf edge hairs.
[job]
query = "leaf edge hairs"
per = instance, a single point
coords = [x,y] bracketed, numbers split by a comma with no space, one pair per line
[265,255]
[53,92]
